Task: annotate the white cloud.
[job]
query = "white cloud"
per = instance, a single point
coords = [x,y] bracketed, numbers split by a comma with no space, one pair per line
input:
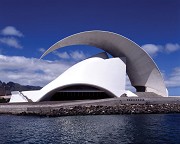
[74,55]
[174,79]
[62,55]
[151,49]
[10,41]
[78,55]
[30,71]
[172,47]
[12,31]
[42,50]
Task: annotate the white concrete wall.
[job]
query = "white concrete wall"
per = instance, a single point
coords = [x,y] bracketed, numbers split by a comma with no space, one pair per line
[17,97]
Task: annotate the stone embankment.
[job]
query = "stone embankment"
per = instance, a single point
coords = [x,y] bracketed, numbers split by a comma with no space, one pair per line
[103,110]
[109,106]
[109,110]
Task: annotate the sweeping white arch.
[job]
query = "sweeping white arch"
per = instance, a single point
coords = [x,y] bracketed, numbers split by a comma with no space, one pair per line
[141,69]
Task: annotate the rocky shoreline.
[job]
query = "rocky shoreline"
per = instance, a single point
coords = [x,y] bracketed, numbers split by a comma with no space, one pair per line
[111,106]
[104,110]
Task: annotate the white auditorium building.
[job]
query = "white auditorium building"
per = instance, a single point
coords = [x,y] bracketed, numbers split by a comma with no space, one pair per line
[99,76]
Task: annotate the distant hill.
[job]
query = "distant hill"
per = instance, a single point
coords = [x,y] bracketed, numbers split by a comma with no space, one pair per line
[7,88]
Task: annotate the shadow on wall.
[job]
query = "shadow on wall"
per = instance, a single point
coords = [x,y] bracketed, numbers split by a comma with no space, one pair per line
[65,96]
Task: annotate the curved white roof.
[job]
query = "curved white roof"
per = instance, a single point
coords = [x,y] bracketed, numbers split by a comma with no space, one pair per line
[141,69]
[99,73]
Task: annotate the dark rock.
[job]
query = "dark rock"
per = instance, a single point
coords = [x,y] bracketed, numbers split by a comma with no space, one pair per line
[6,89]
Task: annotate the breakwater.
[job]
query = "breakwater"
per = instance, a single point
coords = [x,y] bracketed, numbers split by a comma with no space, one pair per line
[104,110]
[93,107]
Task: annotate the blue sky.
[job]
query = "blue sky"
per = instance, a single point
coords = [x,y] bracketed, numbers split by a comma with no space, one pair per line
[29,27]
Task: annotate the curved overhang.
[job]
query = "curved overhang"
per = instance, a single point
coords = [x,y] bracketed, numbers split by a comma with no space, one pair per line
[53,91]
[141,69]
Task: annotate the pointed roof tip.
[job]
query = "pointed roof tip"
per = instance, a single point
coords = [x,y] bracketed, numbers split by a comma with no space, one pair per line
[43,55]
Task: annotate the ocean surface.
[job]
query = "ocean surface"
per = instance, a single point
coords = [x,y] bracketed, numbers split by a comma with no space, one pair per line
[100,129]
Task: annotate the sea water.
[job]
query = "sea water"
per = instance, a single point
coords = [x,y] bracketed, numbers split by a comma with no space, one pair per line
[100,129]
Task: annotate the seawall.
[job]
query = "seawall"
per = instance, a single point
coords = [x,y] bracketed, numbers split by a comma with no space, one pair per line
[94,107]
